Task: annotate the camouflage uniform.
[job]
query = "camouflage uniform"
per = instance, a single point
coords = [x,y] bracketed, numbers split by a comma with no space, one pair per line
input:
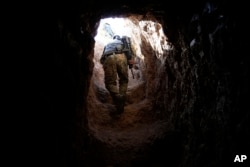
[115,64]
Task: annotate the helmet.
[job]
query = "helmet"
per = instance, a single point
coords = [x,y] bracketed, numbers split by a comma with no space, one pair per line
[117,37]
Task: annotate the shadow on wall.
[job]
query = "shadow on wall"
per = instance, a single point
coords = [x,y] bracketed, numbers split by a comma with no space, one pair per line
[140,124]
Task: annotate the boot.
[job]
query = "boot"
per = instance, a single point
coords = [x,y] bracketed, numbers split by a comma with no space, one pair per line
[119,102]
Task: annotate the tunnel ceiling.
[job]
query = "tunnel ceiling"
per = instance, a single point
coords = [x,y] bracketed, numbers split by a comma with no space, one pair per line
[188,102]
[138,120]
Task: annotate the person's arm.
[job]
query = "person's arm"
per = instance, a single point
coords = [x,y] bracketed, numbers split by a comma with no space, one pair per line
[131,61]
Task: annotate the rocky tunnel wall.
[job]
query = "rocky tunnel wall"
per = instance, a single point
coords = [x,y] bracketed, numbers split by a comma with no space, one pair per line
[201,92]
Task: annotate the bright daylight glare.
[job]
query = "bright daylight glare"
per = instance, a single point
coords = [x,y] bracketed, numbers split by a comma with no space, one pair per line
[151,31]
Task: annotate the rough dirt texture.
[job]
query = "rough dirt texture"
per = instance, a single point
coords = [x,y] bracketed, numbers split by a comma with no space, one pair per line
[140,124]
[190,109]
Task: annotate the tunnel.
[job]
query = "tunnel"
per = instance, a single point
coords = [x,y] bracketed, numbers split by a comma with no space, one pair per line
[141,123]
[186,101]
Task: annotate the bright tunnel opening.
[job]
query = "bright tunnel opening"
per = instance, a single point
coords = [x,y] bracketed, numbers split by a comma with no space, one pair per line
[139,122]
[149,31]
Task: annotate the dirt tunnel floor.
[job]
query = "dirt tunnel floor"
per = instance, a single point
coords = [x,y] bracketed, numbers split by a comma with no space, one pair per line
[141,126]
[131,137]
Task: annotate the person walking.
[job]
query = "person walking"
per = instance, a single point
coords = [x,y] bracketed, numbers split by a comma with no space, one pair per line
[116,58]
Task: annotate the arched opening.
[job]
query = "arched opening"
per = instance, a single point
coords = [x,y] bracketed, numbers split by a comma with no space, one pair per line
[200,86]
[107,29]
[142,122]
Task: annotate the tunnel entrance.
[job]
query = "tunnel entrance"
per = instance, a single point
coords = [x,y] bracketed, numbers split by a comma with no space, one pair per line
[200,85]
[142,121]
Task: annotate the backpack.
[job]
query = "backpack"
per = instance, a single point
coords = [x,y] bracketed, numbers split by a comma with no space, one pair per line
[114,47]
[127,47]
[123,46]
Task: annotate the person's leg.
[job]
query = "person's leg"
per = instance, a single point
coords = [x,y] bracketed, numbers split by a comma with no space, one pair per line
[110,76]
[122,70]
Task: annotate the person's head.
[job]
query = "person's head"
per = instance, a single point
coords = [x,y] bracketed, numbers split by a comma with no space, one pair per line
[117,37]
